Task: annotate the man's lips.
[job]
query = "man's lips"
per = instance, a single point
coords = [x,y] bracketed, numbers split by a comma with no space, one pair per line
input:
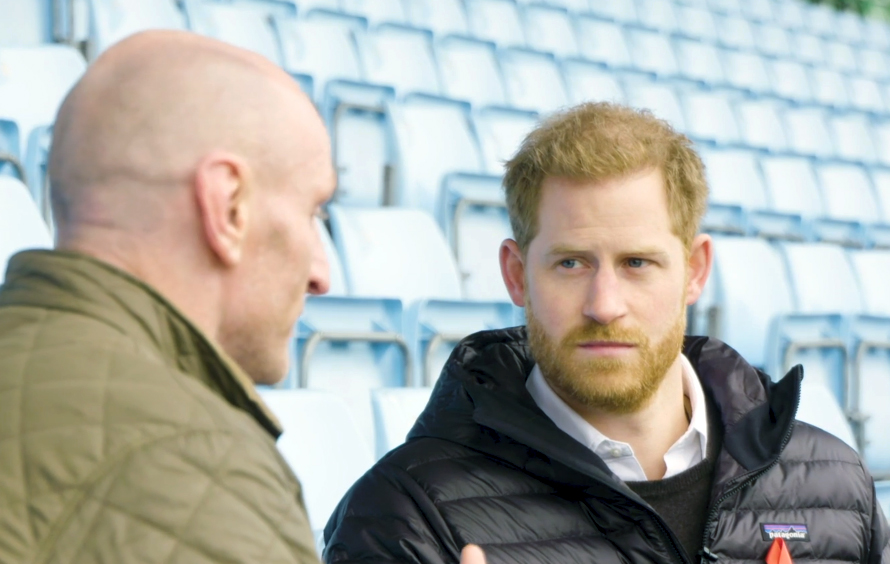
[606,344]
[606,348]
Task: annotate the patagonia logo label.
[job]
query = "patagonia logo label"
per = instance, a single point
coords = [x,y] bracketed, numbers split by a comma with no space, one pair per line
[785,531]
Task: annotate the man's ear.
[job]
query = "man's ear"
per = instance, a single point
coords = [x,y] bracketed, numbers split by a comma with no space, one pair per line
[701,258]
[513,271]
[221,189]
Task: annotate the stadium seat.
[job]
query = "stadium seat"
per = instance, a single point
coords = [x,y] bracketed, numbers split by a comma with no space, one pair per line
[659,15]
[652,53]
[791,80]
[318,426]
[808,133]
[709,117]
[401,57]
[789,15]
[760,125]
[877,33]
[849,27]
[243,25]
[792,188]
[589,82]
[21,226]
[736,33]
[549,30]
[865,95]
[820,407]
[730,7]
[700,61]
[697,23]
[623,11]
[829,88]
[809,49]
[468,70]
[661,99]
[395,412]
[497,21]
[853,137]
[25,23]
[873,64]
[322,47]
[476,240]
[443,17]
[881,181]
[432,138]
[872,267]
[111,21]
[772,40]
[847,193]
[820,20]
[33,83]
[841,57]
[11,161]
[602,42]
[532,80]
[758,10]
[376,11]
[735,185]
[500,131]
[747,71]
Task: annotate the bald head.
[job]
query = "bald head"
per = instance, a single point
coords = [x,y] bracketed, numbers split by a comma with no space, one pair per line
[151,107]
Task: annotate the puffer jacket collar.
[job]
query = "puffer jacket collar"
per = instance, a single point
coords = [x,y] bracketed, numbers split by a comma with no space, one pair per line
[483,383]
[75,283]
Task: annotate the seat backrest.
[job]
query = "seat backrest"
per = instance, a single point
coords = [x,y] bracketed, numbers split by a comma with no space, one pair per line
[335,267]
[468,70]
[877,33]
[699,61]
[394,252]
[772,40]
[658,14]
[829,87]
[790,80]
[322,444]
[660,99]
[602,42]
[549,30]
[822,278]
[589,82]
[710,117]
[479,235]
[442,16]
[873,64]
[849,27]
[865,95]
[624,11]
[21,226]
[820,20]
[758,10]
[376,11]
[532,80]
[242,25]
[809,49]
[841,57]
[791,185]
[728,7]
[652,52]
[746,71]
[789,15]
[881,181]
[500,132]
[736,32]
[808,132]
[853,137]
[395,412]
[760,125]
[819,407]
[752,289]
[323,47]
[847,192]
[882,141]
[25,23]
[399,56]
[734,178]
[111,21]
[697,22]
[872,268]
[497,21]
[432,138]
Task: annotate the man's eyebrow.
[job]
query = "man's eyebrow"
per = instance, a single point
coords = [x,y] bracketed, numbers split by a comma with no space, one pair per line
[562,250]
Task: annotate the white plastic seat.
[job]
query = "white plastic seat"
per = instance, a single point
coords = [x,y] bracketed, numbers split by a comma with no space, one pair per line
[442,16]
[401,57]
[847,193]
[736,33]
[468,70]
[882,142]
[789,15]
[335,266]
[497,21]
[758,10]
[880,179]
[730,7]
[809,49]
[660,99]
[872,269]
[500,132]
[376,11]
[877,33]
[25,23]
[242,25]
[841,57]
[589,82]
[21,226]
[791,80]
[700,61]
[829,88]
[873,64]
[734,178]
[697,22]
[532,80]
[550,30]
[852,137]
[761,125]
[808,133]
[772,40]
[849,27]
[322,444]
[820,20]
[112,20]
[710,117]
[792,186]
[746,71]
[602,42]
[395,412]
[432,138]
[477,241]
[819,407]
[865,95]
[652,52]
[658,14]
[623,11]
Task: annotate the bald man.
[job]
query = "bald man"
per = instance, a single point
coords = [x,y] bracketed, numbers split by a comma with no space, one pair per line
[186,178]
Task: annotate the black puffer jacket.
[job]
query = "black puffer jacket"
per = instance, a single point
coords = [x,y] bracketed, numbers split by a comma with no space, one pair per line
[484,465]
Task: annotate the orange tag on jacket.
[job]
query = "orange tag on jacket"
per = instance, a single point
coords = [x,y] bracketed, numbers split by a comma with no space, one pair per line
[778,553]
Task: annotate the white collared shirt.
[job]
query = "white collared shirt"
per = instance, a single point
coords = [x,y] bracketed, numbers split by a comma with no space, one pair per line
[689,450]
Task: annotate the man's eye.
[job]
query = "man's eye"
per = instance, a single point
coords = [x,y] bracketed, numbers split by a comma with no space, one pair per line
[569,263]
[636,263]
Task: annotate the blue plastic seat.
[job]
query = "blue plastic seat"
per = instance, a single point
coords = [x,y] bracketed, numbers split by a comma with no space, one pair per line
[111,21]
[700,61]
[376,11]
[550,30]
[773,40]
[500,132]
[849,27]
[791,80]
[659,15]
[709,117]
[829,88]
[758,10]
[661,99]
[877,33]
[736,33]
[532,80]
[793,190]
[820,20]
[25,23]
[468,69]
[21,224]
[243,24]
[848,193]
[789,15]
[589,82]
[623,11]
[736,189]
[841,57]
[731,7]
[395,412]
[497,21]
[761,125]
[865,95]
[697,23]
[873,64]
[653,53]
[808,132]
[602,42]
[809,48]
[747,71]
[401,57]
[853,137]
[442,16]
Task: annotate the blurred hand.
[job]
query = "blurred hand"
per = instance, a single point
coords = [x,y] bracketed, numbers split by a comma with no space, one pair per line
[472,554]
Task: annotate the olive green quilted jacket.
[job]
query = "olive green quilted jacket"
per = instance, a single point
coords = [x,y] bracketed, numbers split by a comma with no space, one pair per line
[128,436]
